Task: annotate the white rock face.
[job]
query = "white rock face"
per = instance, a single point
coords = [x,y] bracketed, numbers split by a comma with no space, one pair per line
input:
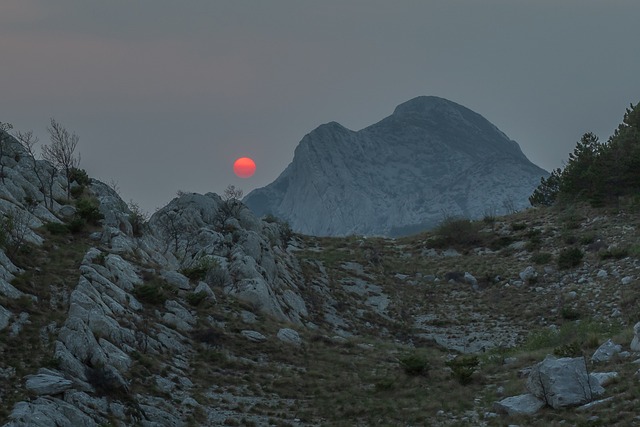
[524,404]
[399,175]
[47,382]
[606,352]
[635,342]
[563,382]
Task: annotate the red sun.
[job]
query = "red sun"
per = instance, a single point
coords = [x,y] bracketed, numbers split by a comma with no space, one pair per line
[244,167]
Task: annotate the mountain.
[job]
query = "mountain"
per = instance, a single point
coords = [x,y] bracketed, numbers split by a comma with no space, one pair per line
[430,159]
[204,315]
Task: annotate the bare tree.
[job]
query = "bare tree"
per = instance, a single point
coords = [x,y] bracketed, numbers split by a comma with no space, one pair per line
[15,226]
[4,137]
[28,142]
[231,204]
[61,152]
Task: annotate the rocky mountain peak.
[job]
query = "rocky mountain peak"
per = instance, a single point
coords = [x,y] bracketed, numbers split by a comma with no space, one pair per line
[399,175]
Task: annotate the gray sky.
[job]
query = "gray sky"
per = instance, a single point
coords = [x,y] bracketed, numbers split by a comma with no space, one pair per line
[165,94]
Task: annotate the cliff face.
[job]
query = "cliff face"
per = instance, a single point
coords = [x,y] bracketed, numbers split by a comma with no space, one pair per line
[431,158]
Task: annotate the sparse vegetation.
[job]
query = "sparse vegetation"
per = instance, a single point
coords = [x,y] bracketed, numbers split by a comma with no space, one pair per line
[570,257]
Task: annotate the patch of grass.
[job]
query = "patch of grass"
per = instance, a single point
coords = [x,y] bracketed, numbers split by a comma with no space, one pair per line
[615,253]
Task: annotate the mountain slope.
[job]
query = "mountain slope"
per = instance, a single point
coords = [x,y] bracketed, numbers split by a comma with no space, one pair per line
[430,158]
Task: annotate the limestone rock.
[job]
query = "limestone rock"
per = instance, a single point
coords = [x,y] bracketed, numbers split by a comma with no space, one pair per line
[563,382]
[47,382]
[528,274]
[342,182]
[635,342]
[606,352]
[604,378]
[524,404]
[5,315]
[254,336]
[46,412]
[289,336]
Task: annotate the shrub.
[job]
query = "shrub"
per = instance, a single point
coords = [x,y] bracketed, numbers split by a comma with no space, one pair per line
[569,258]
[541,258]
[199,270]
[80,176]
[196,298]
[518,226]
[154,292]
[137,218]
[76,225]
[77,191]
[89,210]
[615,253]
[207,336]
[568,350]
[457,231]
[56,228]
[462,368]
[569,313]
[105,381]
[414,365]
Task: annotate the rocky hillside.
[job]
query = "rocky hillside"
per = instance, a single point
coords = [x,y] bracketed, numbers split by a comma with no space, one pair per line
[431,158]
[206,315]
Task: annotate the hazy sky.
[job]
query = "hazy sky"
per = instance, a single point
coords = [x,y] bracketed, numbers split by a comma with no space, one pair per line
[165,94]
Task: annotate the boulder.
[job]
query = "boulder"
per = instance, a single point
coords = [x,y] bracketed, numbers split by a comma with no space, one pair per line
[254,336]
[47,382]
[468,277]
[528,274]
[524,404]
[5,315]
[606,352]
[635,342]
[604,378]
[289,336]
[563,382]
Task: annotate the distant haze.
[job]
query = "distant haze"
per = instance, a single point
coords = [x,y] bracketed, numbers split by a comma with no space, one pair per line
[165,95]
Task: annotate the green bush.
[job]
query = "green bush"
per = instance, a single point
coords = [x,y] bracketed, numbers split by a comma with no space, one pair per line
[76,225]
[199,270]
[541,258]
[570,258]
[462,368]
[154,292]
[457,231]
[77,191]
[415,365]
[56,228]
[568,350]
[80,176]
[89,210]
[569,313]
[615,253]
[518,226]
[196,298]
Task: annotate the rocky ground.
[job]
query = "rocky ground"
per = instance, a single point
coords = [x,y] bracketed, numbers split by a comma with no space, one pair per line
[206,315]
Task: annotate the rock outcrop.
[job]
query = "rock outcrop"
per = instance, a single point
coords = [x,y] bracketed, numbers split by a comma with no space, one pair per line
[431,156]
